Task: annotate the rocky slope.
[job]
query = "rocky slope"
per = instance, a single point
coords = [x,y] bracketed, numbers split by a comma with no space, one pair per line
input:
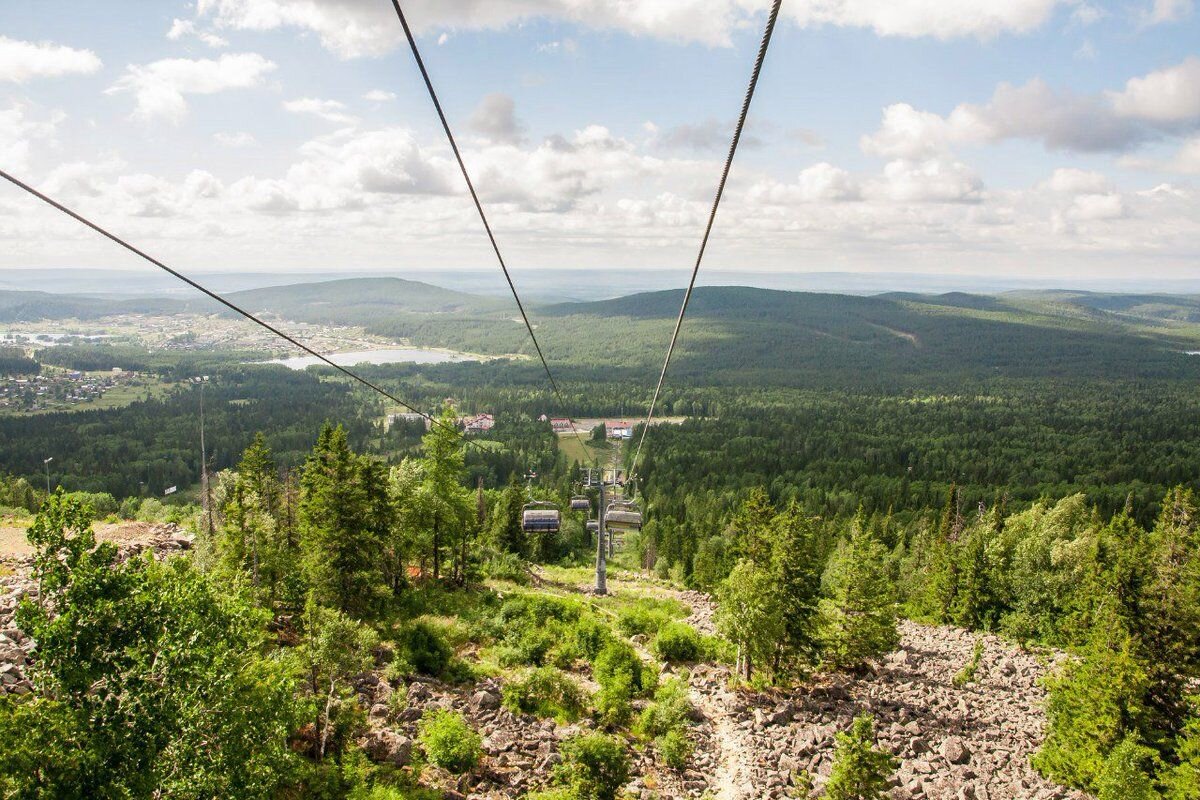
[15,584]
[952,743]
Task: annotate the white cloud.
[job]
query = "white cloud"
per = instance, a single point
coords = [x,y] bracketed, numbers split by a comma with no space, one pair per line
[983,19]
[1068,180]
[160,88]
[934,180]
[1096,207]
[907,133]
[1088,14]
[819,183]
[1168,11]
[379,96]
[235,140]
[83,178]
[328,110]
[21,61]
[712,135]
[356,28]
[184,27]
[1166,96]
[19,129]
[1150,107]
[496,119]
[1186,161]
[568,46]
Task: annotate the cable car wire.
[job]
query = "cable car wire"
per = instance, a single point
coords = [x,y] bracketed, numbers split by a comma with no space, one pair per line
[712,218]
[230,305]
[462,165]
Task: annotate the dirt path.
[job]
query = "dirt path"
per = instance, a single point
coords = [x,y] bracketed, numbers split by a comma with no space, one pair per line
[730,747]
[14,544]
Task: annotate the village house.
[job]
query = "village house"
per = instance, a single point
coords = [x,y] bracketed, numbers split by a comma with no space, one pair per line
[618,430]
[479,424]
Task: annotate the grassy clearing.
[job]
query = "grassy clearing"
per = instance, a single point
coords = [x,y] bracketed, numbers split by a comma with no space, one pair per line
[585,452]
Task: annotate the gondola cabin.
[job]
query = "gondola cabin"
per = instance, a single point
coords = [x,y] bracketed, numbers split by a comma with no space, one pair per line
[541,517]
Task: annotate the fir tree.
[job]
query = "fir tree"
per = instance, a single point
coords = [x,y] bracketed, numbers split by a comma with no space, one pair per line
[342,541]
[860,770]
[858,616]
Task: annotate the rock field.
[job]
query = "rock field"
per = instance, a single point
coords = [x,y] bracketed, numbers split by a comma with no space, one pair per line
[968,743]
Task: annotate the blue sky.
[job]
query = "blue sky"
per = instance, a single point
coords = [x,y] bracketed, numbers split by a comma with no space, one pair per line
[1013,137]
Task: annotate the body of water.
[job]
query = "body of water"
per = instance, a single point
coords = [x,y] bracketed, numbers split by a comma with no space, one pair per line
[394,355]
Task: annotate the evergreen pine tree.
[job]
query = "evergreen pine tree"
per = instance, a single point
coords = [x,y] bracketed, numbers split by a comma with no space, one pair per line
[860,770]
[858,616]
[798,562]
[1093,705]
[1127,773]
[343,548]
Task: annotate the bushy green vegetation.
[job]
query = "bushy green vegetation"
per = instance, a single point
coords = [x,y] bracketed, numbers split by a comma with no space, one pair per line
[449,742]
[678,641]
[152,680]
[666,719]
[545,692]
[995,477]
[594,767]
[861,771]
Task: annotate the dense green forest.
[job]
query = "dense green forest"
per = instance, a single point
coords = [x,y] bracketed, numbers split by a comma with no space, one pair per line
[306,582]
[1021,464]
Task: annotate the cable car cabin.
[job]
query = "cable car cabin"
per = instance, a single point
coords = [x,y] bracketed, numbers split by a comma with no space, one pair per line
[540,518]
[580,503]
[623,516]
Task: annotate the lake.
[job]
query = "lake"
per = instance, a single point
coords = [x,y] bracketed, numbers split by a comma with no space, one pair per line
[394,355]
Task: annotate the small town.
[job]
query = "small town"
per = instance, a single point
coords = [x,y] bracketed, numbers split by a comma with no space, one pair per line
[60,390]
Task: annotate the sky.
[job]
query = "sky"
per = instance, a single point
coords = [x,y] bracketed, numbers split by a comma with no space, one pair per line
[1020,138]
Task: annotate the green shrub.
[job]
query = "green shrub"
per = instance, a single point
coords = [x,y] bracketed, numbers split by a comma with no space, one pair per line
[1183,781]
[591,635]
[678,641]
[676,748]
[151,509]
[449,742]
[397,701]
[529,646]
[594,766]
[397,670]
[620,674]
[101,503]
[531,609]
[613,703]
[967,674]
[1092,706]
[670,710]
[618,662]
[860,771]
[129,507]
[545,692]
[1127,773]
[645,617]
[423,646]
[506,566]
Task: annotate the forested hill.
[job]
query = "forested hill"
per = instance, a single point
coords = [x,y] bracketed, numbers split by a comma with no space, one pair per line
[361,298]
[36,306]
[739,334]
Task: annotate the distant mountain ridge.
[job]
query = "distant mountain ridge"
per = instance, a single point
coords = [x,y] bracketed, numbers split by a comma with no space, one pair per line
[333,298]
